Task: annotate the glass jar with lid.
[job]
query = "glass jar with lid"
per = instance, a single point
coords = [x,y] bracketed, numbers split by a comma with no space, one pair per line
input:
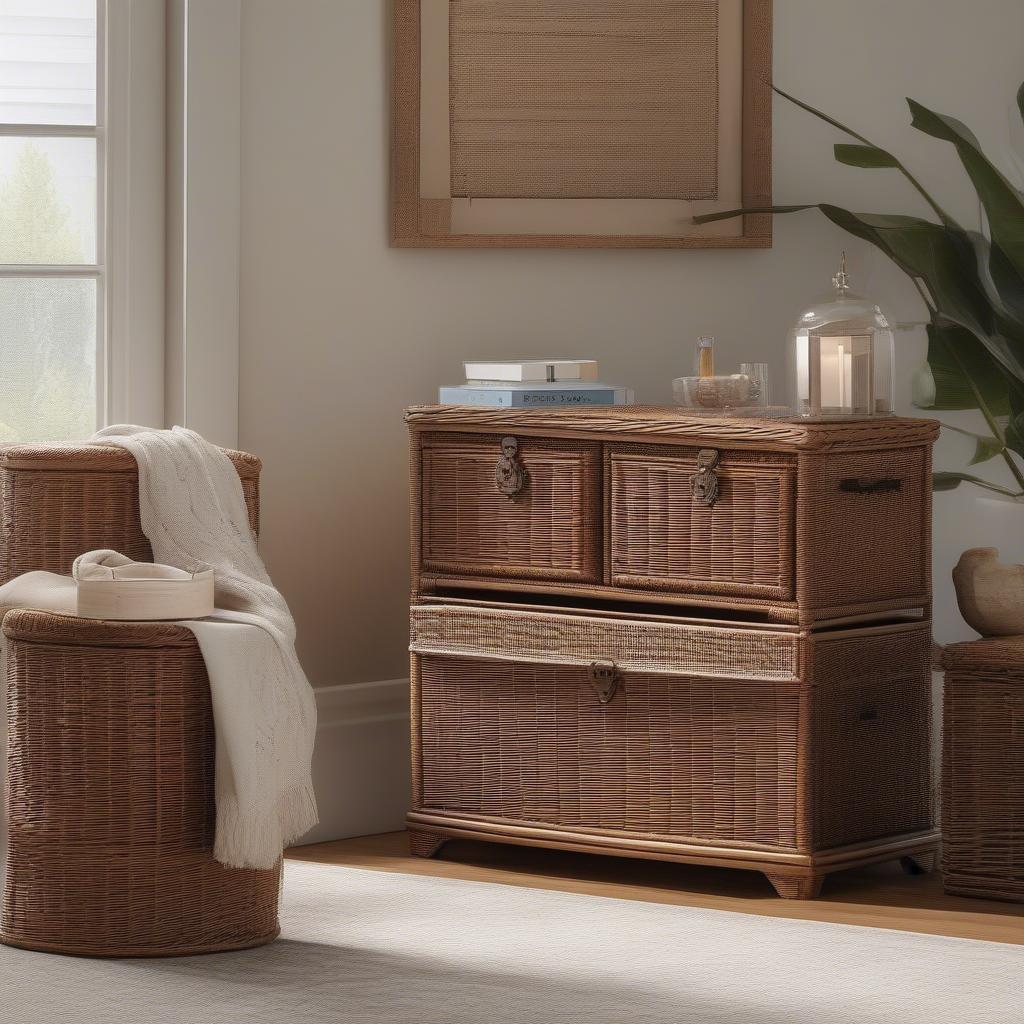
[842,357]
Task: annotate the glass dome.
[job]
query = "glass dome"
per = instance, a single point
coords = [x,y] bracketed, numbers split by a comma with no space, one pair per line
[842,357]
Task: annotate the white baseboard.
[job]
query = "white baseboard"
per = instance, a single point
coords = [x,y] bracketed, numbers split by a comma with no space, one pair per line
[361,759]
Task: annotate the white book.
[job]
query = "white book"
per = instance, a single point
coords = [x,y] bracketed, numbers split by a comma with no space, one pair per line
[533,370]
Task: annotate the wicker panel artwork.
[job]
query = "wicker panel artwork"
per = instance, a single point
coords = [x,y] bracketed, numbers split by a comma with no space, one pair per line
[661,538]
[58,502]
[648,647]
[110,796]
[532,743]
[584,99]
[551,530]
[983,770]
[872,734]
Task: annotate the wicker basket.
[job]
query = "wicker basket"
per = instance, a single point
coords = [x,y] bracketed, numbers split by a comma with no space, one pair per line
[110,797]
[983,770]
[57,502]
[110,761]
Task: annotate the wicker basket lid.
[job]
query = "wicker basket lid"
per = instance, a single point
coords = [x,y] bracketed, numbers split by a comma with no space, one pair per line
[92,458]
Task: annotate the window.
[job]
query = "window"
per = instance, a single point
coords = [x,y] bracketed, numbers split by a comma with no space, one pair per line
[52,223]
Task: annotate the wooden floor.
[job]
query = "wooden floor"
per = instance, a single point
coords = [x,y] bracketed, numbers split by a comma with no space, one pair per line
[877,897]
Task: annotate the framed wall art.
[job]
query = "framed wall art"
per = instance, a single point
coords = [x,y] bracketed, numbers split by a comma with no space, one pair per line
[580,123]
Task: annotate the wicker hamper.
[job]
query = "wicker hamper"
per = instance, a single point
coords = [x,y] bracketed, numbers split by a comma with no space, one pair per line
[109,801]
[56,503]
[983,769]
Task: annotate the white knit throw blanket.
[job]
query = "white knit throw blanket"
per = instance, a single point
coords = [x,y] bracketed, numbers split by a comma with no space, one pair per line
[194,514]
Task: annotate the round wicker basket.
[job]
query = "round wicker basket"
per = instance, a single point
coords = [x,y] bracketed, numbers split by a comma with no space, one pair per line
[110,797]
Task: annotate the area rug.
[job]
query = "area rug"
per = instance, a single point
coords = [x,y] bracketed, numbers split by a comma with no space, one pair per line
[370,946]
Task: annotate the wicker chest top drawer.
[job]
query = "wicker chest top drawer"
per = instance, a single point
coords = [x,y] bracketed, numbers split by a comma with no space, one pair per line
[511,508]
[790,521]
[663,538]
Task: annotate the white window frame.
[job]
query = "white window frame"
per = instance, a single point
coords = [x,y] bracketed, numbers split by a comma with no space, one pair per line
[128,267]
[134,116]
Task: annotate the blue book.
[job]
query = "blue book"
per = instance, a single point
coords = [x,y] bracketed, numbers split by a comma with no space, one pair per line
[534,396]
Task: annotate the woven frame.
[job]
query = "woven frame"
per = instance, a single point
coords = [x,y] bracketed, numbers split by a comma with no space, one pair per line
[110,797]
[983,770]
[420,221]
[58,502]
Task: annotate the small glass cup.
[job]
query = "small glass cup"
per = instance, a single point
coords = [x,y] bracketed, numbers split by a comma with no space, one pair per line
[760,383]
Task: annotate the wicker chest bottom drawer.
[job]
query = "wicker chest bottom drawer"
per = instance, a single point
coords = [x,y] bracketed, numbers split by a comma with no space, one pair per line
[672,729]
[668,755]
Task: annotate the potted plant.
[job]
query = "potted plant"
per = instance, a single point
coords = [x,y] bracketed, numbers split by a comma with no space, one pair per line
[971,283]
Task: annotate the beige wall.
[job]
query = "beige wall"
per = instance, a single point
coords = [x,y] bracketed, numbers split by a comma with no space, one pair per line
[339,332]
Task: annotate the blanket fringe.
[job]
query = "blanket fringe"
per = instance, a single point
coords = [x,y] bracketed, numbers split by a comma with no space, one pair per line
[244,840]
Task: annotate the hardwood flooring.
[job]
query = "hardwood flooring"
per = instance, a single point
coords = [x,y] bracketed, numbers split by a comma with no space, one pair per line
[876,897]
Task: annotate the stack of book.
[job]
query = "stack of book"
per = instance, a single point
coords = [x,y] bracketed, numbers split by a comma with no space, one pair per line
[534,384]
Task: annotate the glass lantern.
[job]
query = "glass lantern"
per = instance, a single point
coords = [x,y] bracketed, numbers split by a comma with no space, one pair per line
[842,356]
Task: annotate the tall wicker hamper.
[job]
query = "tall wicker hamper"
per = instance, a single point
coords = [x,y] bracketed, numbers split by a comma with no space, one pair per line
[656,635]
[109,795]
[57,502]
[983,769]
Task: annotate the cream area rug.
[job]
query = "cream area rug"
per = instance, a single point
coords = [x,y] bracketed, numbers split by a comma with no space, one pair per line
[368,946]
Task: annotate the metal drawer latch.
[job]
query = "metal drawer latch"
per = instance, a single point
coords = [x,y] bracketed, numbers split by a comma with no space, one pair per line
[704,483]
[510,474]
[604,678]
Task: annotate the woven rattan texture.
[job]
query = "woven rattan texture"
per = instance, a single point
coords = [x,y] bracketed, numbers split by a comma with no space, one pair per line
[551,530]
[670,756]
[872,545]
[56,503]
[576,639]
[871,739]
[110,797]
[673,425]
[662,539]
[983,770]
[584,99]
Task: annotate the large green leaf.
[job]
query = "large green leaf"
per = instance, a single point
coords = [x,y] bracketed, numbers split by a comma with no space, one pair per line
[939,212]
[941,256]
[985,446]
[708,218]
[863,156]
[950,481]
[963,372]
[1002,285]
[1004,204]
[1015,427]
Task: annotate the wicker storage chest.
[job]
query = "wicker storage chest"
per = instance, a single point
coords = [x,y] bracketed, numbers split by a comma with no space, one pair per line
[983,769]
[109,791]
[615,650]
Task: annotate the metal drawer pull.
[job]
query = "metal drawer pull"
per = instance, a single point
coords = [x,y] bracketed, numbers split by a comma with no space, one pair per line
[854,486]
[510,474]
[604,678]
[704,483]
